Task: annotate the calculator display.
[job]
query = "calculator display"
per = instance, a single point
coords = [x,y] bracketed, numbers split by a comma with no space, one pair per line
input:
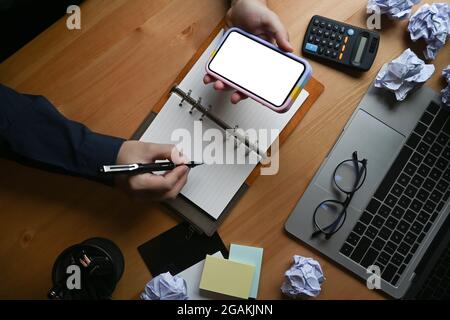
[360,50]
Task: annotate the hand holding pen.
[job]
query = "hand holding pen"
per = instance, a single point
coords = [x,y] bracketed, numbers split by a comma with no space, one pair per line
[147,185]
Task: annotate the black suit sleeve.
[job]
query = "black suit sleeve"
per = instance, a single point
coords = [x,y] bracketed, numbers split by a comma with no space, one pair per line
[32,129]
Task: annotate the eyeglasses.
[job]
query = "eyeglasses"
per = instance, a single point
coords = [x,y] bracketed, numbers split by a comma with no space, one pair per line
[348,177]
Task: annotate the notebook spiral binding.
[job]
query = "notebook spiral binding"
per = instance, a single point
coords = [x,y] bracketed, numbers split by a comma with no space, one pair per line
[231,132]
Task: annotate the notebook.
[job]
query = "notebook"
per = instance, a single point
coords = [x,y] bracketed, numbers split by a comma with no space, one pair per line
[179,248]
[212,187]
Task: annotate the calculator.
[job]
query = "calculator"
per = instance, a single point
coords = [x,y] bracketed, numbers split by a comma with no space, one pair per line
[341,43]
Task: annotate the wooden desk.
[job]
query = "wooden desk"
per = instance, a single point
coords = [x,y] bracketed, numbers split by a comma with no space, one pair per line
[108,76]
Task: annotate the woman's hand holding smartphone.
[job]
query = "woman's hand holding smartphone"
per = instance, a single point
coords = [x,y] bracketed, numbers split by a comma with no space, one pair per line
[257,68]
[255,17]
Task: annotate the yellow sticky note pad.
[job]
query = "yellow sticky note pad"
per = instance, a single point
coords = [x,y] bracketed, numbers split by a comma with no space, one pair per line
[227,277]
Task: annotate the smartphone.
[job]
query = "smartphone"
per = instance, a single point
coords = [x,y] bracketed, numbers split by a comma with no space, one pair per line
[259,69]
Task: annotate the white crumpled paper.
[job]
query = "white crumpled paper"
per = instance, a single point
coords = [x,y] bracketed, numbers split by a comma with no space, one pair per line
[432,23]
[446,91]
[165,287]
[403,74]
[303,278]
[394,9]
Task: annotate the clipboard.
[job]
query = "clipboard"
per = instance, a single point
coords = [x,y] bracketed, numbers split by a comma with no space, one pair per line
[182,206]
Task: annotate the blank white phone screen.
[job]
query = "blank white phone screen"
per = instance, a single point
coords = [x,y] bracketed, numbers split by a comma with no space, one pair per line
[257,68]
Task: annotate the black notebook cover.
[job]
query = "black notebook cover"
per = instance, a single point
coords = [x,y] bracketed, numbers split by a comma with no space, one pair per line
[179,248]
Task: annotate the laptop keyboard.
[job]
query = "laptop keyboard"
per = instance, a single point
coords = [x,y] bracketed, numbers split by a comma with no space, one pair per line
[407,202]
[437,285]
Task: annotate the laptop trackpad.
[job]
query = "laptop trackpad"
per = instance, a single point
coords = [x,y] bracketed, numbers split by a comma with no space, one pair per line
[373,140]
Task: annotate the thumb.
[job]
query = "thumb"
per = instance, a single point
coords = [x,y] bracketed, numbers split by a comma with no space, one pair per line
[279,33]
[172,177]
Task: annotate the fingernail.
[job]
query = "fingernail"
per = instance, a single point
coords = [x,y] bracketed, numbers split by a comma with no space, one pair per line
[185,159]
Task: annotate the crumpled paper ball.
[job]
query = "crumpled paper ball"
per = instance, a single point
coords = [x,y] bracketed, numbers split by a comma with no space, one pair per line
[303,279]
[446,91]
[432,23]
[165,287]
[404,74]
[394,9]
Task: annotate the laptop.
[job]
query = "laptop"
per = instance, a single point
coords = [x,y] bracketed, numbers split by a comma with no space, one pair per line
[396,221]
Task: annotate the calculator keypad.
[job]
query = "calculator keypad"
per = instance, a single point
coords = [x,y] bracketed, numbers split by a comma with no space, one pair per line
[328,39]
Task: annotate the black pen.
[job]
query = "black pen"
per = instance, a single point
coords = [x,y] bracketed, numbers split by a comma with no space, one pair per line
[145,168]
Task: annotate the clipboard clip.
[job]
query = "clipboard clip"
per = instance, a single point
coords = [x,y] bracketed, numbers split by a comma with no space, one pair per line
[182,100]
